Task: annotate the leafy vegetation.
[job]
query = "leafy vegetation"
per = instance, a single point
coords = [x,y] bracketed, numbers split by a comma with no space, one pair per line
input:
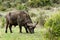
[22,7]
[2,20]
[38,3]
[53,23]
[29,3]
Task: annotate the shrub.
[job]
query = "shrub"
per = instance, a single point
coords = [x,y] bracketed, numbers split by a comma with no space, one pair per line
[2,8]
[33,4]
[53,23]
[13,5]
[22,7]
[38,3]
[23,1]
[6,4]
[2,22]
[55,1]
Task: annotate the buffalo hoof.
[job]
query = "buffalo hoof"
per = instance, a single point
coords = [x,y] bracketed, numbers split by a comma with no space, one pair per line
[20,32]
[11,32]
[32,33]
[5,31]
[26,32]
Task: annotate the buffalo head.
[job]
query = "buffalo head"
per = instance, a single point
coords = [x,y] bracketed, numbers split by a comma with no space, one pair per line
[32,26]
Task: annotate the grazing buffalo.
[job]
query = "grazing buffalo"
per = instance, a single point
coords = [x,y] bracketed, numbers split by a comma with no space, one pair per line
[20,18]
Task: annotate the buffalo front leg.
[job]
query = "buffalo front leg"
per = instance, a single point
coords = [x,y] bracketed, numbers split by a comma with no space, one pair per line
[10,27]
[26,29]
[6,28]
[20,27]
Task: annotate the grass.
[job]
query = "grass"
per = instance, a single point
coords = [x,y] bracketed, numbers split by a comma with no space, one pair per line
[38,35]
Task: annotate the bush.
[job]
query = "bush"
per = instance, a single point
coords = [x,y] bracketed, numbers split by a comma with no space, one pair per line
[2,22]
[13,5]
[22,7]
[55,1]
[6,4]
[38,3]
[2,8]
[33,4]
[23,1]
[53,23]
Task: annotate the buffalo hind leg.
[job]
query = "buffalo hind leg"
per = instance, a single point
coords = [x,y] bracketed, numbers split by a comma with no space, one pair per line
[10,27]
[6,28]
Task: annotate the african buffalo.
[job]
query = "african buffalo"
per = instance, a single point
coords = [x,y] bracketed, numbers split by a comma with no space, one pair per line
[20,18]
